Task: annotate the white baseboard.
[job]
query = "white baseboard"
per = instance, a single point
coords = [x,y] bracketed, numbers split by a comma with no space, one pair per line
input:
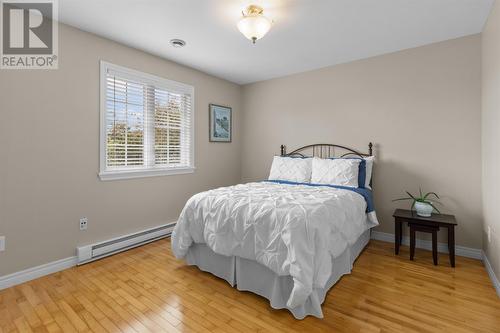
[427,245]
[491,273]
[32,273]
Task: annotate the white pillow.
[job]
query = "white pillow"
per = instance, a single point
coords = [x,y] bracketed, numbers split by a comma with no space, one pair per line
[341,172]
[296,170]
[369,169]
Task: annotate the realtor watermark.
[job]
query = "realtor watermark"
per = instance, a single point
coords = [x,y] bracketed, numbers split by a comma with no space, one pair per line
[29,34]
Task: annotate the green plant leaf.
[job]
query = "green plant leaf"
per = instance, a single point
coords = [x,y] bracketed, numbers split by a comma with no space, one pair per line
[400,199]
[437,210]
[411,195]
[431,193]
[413,204]
[420,190]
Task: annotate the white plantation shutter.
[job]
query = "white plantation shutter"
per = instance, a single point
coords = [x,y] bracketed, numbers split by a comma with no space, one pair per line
[172,128]
[125,112]
[146,124]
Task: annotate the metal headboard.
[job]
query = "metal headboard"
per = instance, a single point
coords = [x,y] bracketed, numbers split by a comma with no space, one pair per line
[326,150]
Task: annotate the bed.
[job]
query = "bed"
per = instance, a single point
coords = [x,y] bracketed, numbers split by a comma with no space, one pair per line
[287,241]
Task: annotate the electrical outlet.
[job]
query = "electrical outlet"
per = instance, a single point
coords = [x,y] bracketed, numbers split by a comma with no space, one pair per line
[2,243]
[489,234]
[83,223]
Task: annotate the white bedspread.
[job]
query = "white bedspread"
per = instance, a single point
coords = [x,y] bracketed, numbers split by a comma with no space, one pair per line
[293,230]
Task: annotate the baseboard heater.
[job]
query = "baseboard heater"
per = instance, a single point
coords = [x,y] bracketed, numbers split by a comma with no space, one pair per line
[100,250]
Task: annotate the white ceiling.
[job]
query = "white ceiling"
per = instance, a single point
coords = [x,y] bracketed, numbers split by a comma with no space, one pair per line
[307,34]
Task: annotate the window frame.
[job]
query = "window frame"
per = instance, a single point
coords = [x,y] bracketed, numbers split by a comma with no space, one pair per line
[169,85]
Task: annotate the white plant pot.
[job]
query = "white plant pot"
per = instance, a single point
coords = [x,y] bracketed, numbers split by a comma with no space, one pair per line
[423,209]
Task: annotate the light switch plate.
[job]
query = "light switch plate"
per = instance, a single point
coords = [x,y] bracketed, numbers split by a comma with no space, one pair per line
[2,243]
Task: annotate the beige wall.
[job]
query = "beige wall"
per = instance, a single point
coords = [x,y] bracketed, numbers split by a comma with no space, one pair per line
[491,136]
[421,108]
[49,148]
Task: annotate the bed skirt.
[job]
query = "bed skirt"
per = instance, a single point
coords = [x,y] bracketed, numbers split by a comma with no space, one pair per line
[249,275]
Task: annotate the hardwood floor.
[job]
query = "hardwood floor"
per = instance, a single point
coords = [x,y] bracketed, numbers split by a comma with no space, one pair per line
[148,290]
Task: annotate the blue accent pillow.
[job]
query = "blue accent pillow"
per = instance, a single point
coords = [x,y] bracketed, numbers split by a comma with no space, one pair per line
[362,173]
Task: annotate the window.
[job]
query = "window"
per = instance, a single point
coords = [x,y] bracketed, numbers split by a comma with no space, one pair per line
[146,125]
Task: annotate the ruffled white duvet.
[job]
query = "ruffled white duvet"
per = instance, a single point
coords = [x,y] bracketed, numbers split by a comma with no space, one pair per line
[293,230]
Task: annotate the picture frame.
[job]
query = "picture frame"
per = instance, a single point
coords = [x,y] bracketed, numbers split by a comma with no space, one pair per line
[220,123]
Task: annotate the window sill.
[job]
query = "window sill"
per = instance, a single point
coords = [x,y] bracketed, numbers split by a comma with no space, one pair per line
[131,174]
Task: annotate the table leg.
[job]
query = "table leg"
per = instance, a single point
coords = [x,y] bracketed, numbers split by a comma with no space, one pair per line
[451,244]
[397,236]
[401,234]
[412,243]
[434,247]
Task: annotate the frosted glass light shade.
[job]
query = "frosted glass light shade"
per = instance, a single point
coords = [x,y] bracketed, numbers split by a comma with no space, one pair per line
[254,27]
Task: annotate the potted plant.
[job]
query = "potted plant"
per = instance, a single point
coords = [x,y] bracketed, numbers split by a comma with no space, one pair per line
[421,202]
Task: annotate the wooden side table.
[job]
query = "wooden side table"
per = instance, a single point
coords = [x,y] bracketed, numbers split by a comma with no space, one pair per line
[427,224]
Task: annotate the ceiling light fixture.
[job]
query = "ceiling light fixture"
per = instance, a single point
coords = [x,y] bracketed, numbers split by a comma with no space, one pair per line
[254,25]
[177,43]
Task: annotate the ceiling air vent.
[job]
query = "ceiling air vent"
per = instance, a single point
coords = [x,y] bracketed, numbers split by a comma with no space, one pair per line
[177,42]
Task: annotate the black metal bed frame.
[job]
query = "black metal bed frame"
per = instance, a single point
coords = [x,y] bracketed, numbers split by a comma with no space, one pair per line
[325,150]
